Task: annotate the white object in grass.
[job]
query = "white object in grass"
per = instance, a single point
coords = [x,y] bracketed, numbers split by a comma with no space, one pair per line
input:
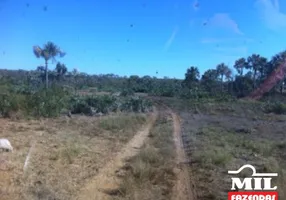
[5,144]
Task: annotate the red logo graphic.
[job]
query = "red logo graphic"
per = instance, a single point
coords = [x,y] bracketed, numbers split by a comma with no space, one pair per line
[257,187]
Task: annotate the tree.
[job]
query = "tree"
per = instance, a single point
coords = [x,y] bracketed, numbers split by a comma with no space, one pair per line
[239,65]
[274,63]
[222,70]
[242,85]
[49,52]
[256,63]
[263,63]
[61,70]
[210,80]
[191,77]
[133,82]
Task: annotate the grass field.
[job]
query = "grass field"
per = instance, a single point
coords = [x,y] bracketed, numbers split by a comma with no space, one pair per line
[65,153]
[224,136]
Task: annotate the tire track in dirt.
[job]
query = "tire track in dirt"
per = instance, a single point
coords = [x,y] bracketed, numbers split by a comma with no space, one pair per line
[182,189]
[106,180]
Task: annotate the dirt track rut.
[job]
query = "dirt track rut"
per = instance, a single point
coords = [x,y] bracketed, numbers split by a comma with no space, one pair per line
[182,190]
[106,181]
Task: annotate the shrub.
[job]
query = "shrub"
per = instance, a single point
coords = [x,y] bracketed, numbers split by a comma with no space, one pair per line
[10,103]
[276,107]
[79,106]
[104,104]
[136,104]
[126,92]
[91,104]
[47,102]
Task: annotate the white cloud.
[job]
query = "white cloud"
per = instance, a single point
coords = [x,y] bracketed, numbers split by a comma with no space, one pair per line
[241,50]
[171,39]
[229,54]
[271,15]
[223,20]
[219,41]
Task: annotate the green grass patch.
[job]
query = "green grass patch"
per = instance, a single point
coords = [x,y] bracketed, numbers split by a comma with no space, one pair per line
[150,174]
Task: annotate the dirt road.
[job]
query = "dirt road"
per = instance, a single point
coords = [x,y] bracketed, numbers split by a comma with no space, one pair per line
[106,182]
[182,190]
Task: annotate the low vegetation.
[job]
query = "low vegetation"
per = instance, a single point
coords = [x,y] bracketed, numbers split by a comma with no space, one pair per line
[150,175]
[221,137]
[56,100]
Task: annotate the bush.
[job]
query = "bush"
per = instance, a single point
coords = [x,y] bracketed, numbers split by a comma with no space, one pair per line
[78,105]
[10,103]
[52,101]
[40,103]
[276,107]
[92,104]
[136,104]
[126,92]
[107,103]
[47,102]
[103,104]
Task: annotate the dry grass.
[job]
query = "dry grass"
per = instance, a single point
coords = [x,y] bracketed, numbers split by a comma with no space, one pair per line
[149,175]
[216,149]
[67,152]
[222,136]
[117,124]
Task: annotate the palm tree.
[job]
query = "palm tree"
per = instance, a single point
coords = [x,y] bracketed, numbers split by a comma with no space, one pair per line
[256,63]
[264,64]
[48,52]
[209,80]
[61,70]
[228,74]
[222,70]
[274,63]
[239,65]
[191,77]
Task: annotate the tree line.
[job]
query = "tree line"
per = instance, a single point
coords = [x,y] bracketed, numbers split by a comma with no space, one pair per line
[238,80]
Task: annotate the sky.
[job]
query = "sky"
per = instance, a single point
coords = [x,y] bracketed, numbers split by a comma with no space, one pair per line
[141,37]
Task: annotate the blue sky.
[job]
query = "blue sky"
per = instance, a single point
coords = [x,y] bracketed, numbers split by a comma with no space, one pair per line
[166,36]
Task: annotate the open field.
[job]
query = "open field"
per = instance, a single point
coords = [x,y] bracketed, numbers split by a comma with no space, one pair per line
[130,156]
[65,153]
[139,156]
[224,136]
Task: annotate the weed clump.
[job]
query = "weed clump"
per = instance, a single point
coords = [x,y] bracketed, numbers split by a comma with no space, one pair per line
[275,107]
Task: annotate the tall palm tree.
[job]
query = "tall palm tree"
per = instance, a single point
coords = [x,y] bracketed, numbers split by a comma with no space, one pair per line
[48,52]
[239,65]
[222,70]
[256,63]
[264,64]
[228,74]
